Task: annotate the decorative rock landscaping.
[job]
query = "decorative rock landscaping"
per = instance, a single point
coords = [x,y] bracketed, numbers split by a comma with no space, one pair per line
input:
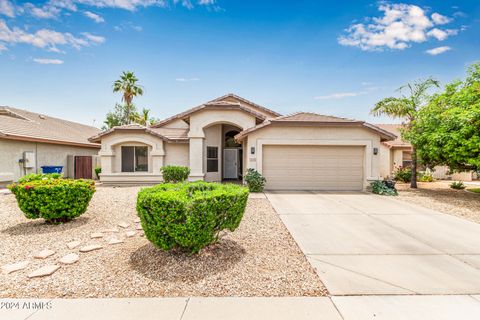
[44,271]
[69,258]
[44,254]
[96,235]
[9,268]
[259,259]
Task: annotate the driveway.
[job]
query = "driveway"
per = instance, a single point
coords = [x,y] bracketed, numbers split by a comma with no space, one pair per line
[364,244]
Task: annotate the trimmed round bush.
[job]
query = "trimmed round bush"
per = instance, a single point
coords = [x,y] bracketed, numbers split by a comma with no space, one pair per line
[190,216]
[175,173]
[53,199]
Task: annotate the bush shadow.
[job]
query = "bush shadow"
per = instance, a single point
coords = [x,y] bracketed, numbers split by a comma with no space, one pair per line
[174,266]
[41,227]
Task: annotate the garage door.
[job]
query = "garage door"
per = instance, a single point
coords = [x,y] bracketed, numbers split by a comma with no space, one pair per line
[313,167]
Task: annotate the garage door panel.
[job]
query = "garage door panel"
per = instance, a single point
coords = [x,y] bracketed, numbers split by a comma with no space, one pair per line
[313,167]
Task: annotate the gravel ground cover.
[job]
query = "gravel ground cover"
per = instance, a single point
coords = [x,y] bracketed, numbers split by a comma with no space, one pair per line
[259,259]
[439,196]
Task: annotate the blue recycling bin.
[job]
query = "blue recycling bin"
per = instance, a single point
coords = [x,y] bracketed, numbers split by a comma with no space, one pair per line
[52,169]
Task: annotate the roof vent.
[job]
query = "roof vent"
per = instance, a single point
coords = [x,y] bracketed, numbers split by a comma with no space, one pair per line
[41,116]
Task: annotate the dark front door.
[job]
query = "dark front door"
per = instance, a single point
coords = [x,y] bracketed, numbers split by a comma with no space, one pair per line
[83,167]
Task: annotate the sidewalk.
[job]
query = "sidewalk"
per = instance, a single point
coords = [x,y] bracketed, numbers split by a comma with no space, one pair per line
[443,307]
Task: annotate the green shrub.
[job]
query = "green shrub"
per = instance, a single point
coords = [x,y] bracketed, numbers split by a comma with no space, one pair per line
[175,174]
[190,216]
[426,177]
[98,170]
[55,200]
[39,176]
[457,185]
[475,190]
[384,188]
[403,174]
[255,181]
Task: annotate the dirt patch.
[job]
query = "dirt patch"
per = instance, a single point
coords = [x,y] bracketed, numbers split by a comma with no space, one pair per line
[439,196]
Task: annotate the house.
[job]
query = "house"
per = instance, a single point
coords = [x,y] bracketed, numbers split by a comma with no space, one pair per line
[222,138]
[394,153]
[30,140]
[398,153]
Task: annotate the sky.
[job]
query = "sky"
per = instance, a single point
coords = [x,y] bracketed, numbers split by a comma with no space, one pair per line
[61,57]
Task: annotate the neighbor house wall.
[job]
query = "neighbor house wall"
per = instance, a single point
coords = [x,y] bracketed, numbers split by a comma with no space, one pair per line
[46,155]
[316,135]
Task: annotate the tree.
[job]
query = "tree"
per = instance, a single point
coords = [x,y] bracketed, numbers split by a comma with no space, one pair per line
[143,117]
[447,130]
[121,115]
[127,85]
[406,109]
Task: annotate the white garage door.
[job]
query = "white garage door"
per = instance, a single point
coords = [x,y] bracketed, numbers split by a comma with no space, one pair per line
[313,167]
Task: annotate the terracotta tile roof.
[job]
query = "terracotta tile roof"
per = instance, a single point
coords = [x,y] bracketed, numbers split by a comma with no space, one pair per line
[220,104]
[24,125]
[303,118]
[395,129]
[167,134]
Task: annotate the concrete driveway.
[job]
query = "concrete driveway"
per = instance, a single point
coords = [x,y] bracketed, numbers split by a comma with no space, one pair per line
[364,244]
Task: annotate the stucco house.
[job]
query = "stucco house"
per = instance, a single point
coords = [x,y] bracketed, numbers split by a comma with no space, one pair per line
[397,152]
[223,137]
[30,140]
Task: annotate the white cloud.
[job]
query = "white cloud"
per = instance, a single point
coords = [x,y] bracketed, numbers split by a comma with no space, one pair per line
[400,25]
[130,5]
[45,38]
[438,50]
[48,61]
[339,95]
[95,17]
[7,8]
[206,2]
[93,38]
[439,19]
[186,79]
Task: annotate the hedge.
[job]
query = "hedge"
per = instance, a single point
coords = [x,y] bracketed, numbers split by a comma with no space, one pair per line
[190,216]
[175,173]
[53,199]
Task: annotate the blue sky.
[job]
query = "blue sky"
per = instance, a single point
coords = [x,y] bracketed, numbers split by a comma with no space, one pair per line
[60,57]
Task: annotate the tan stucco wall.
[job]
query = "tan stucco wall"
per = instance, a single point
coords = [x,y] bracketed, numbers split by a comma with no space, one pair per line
[316,135]
[213,138]
[386,161]
[233,99]
[176,124]
[46,154]
[176,154]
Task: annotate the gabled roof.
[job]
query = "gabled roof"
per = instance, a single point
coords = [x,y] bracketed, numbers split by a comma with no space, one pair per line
[218,104]
[169,135]
[310,118]
[395,129]
[18,124]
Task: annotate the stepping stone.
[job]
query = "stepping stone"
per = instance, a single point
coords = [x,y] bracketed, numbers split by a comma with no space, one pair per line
[110,230]
[9,268]
[73,244]
[44,254]
[44,271]
[136,220]
[138,227]
[90,248]
[123,225]
[69,258]
[130,233]
[96,235]
[115,241]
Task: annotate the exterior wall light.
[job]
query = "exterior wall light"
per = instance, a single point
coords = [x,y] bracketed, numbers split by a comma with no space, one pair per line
[375,151]
[252,150]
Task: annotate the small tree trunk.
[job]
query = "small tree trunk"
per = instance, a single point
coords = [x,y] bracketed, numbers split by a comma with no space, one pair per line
[413,181]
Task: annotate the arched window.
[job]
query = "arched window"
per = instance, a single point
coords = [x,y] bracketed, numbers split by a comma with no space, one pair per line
[230,139]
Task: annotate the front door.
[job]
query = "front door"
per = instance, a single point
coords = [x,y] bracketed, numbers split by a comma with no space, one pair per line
[230,164]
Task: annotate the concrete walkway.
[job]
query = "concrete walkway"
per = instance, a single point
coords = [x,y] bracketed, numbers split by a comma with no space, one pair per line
[302,308]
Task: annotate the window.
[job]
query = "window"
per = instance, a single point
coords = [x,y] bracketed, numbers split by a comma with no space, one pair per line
[134,158]
[212,159]
[407,159]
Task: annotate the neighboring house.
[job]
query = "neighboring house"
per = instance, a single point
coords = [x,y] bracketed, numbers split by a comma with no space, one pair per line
[220,139]
[30,140]
[397,153]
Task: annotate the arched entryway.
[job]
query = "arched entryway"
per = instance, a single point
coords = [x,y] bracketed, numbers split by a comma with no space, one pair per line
[232,154]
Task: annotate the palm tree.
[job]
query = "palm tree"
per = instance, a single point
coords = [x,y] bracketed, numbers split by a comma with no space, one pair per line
[406,108]
[143,118]
[127,85]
